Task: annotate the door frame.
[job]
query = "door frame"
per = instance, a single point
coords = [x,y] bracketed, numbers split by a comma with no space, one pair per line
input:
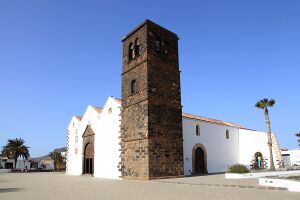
[194,157]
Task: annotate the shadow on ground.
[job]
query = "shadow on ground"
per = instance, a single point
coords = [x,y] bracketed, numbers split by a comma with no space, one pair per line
[5,190]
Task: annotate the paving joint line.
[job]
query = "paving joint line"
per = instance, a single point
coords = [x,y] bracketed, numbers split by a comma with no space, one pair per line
[259,187]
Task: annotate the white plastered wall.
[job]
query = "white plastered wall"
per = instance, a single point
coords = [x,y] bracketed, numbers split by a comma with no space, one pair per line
[294,156]
[107,147]
[73,158]
[250,142]
[221,152]
[106,126]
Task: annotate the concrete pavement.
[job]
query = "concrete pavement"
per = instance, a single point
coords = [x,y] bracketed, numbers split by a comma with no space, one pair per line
[46,186]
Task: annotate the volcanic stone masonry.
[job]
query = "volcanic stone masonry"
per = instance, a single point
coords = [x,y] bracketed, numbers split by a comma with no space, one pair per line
[151,117]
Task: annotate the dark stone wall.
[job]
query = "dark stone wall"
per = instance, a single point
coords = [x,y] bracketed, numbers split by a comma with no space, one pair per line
[134,115]
[165,111]
[151,126]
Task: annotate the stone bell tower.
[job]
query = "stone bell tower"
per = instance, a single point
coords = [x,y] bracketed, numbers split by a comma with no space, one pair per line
[151,125]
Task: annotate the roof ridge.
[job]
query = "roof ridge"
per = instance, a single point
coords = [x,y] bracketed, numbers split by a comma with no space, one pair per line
[78,117]
[184,114]
[211,120]
[117,99]
[97,109]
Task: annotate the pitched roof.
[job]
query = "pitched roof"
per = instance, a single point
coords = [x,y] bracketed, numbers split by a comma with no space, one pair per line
[117,99]
[206,119]
[97,109]
[62,149]
[41,158]
[215,121]
[78,117]
[185,115]
[47,157]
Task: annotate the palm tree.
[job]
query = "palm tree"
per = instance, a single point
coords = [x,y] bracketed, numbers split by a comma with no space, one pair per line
[15,148]
[57,158]
[264,104]
[298,135]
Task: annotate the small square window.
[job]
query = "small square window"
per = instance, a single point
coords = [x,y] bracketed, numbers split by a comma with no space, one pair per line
[133,86]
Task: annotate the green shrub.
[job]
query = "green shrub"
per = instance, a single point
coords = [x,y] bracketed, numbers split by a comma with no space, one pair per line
[238,168]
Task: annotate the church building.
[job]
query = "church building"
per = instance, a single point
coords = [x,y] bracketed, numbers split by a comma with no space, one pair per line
[145,135]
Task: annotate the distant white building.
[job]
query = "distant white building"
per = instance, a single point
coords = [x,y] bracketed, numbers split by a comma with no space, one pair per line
[37,163]
[291,157]
[209,145]
[9,163]
[46,163]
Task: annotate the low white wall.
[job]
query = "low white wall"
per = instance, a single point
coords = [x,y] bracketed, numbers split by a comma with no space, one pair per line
[293,186]
[5,170]
[260,174]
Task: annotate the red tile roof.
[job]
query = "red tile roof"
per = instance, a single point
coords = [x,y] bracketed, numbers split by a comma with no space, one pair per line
[117,99]
[216,121]
[185,115]
[97,109]
[78,117]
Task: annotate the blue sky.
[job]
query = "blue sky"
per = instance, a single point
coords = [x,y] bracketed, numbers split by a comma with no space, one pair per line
[59,56]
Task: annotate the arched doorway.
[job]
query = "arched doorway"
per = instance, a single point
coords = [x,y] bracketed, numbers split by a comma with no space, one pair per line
[88,153]
[258,161]
[89,159]
[199,159]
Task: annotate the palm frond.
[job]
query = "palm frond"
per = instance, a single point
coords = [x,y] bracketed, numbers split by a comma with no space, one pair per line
[15,148]
[264,103]
[265,100]
[261,104]
[271,102]
[56,156]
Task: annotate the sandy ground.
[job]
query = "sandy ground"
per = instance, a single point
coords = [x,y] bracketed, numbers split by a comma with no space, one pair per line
[46,186]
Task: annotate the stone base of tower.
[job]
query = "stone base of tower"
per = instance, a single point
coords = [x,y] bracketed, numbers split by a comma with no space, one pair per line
[151,158]
[135,159]
[165,157]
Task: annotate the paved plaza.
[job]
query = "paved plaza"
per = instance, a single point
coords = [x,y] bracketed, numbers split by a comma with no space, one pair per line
[46,186]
